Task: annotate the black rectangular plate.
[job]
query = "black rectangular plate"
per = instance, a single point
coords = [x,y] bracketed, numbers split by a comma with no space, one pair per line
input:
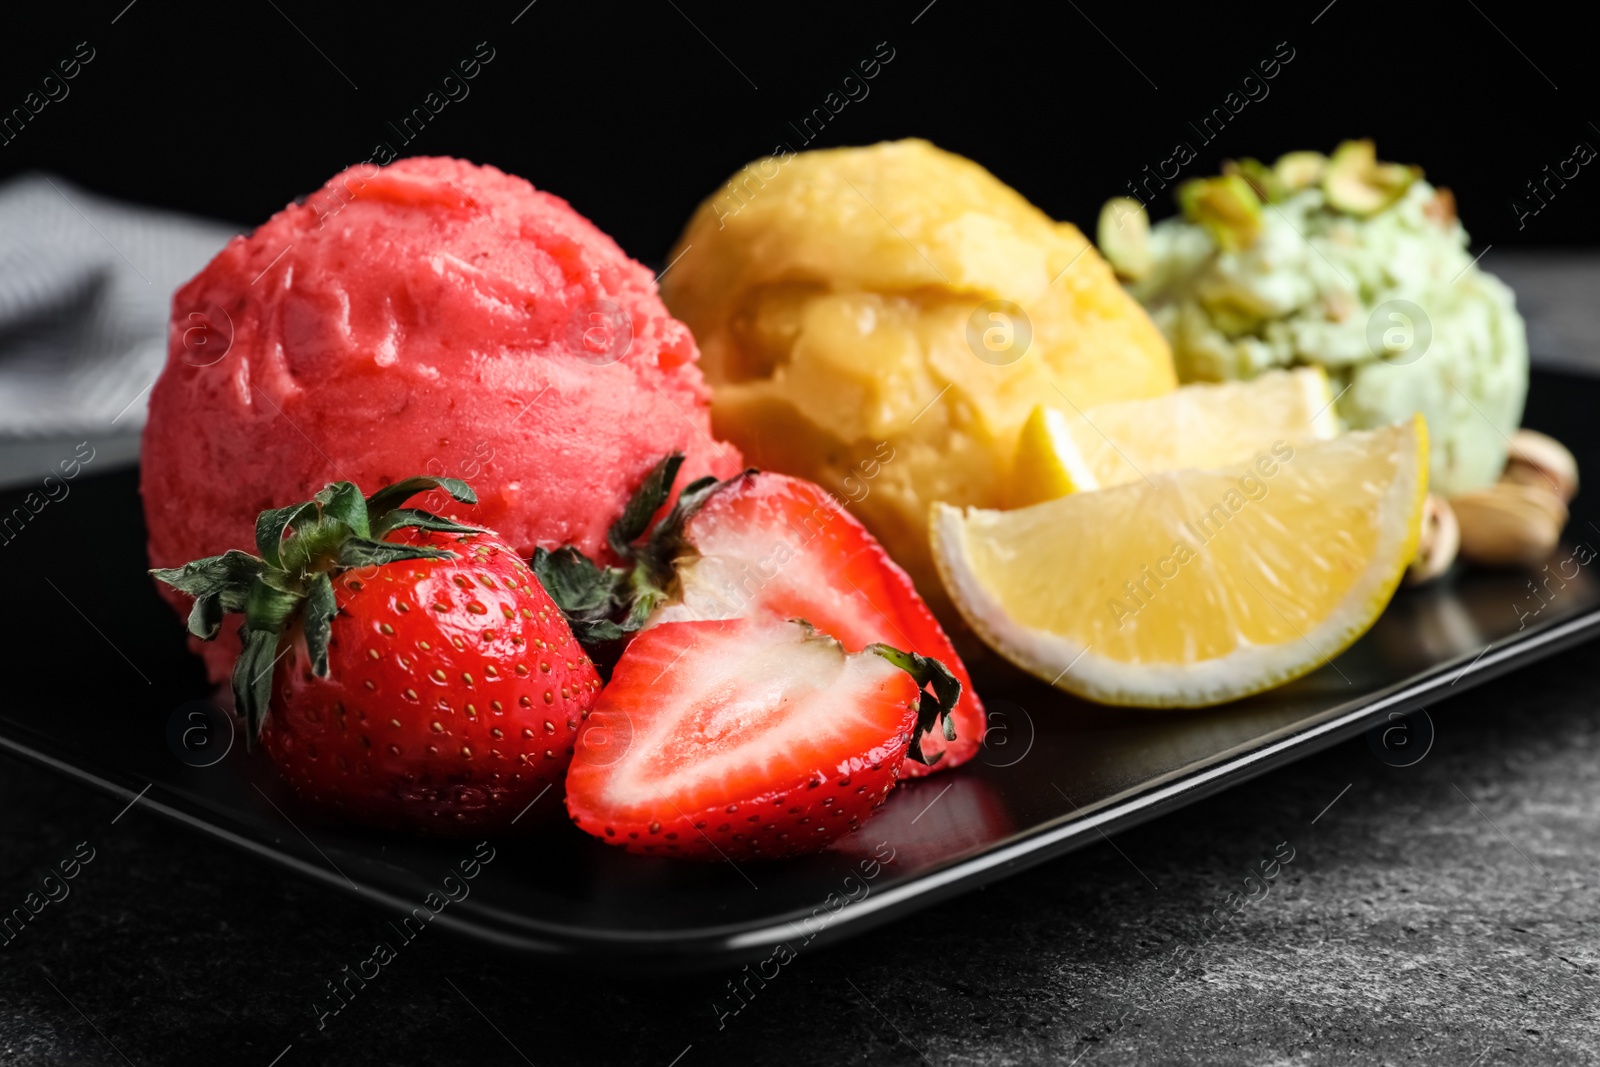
[99,674]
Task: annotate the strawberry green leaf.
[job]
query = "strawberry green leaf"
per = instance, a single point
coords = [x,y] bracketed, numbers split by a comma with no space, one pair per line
[400,518]
[219,584]
[643,505]
[699,486]
[388,498]
[602,604]
[598,602]
[270,526]
[362,552]
[666,544]
[344,502]
[932,708]
[252,678]
[669,532]
[576,583]
[595,632]
[228,576]
[205,618]
[317,622]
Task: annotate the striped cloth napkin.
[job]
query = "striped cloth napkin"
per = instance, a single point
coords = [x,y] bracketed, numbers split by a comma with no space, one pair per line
[85,291]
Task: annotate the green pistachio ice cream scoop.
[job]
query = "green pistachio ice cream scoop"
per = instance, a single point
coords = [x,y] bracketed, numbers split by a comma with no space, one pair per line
[1343,261]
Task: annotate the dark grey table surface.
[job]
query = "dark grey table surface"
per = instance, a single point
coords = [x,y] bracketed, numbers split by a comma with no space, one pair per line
[1442,913]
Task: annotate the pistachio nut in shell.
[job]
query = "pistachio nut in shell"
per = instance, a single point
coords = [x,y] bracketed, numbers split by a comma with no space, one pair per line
[1509,524]
[1539,459]
[1439,542]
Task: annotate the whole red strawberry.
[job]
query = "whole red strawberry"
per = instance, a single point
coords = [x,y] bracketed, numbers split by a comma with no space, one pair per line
[400,668]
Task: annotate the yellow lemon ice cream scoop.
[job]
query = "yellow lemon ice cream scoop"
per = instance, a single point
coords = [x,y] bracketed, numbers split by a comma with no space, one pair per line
[883,320]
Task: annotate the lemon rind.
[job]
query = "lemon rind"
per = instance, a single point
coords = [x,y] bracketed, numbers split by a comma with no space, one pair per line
[1325,424]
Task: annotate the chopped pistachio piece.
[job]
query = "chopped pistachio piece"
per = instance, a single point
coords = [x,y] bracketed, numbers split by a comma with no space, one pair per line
[1262,178]
[1441,210]
[1226,207]
[1357,184]
[1124,237]
[1299,170]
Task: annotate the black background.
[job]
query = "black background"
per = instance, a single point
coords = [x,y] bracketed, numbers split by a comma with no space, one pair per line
[630,112]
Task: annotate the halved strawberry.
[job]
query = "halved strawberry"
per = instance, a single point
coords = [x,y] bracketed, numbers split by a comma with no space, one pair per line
[764,544]
[769,542]
[747,738]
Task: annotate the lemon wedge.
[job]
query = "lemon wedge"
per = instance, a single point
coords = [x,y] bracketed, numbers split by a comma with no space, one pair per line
[1192,587]
[1049,462]
[1204,425]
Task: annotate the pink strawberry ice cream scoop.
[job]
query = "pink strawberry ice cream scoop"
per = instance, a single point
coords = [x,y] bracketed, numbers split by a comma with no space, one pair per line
[428,317]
